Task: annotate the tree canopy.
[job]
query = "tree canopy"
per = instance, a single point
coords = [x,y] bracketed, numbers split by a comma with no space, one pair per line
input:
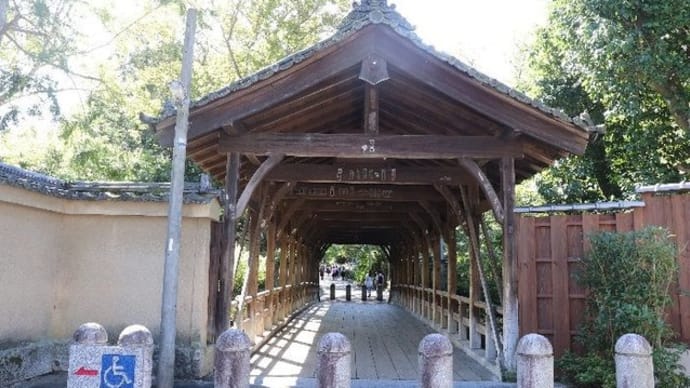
[131,56]
[625,65]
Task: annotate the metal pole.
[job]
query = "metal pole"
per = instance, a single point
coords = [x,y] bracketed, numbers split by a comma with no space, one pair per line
[172,250]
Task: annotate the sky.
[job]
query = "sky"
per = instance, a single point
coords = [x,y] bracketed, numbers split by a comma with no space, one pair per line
[485,34]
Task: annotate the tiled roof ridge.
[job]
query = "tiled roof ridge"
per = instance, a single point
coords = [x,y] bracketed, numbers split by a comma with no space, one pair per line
[365,13]
[98,191]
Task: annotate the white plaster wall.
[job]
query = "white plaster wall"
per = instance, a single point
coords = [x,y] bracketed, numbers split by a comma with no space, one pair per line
[64,262]
[28,262]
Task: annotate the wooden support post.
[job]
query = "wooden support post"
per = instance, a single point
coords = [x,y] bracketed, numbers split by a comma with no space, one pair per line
[270,274]
[452,279]
[510,297]
[475,295]
[282,275]
[436,310]
[227,265]
[493,339]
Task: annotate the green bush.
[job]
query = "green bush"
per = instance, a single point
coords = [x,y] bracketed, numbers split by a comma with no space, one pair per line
[628,277]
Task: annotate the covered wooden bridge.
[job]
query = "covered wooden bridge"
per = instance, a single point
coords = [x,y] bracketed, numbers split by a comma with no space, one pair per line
[372,137]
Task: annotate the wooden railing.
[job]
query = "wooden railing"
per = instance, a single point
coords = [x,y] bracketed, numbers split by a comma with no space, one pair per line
[465,322]
[268,310]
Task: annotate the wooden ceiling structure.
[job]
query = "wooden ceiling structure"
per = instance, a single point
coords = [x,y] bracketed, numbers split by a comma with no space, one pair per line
[369,117]
[372,137]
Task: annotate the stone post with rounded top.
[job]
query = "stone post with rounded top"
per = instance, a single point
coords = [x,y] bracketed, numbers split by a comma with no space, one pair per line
[364,292]
[348,292]
[436,361]
[233,350]
[332,291]
[333,368]
[90,333]
[534,362]
[634,366]
[139,337]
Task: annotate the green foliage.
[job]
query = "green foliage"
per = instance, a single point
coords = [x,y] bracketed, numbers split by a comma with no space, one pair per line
[628,277]
[626,65]
[36,37]
[135,54]
[366,258]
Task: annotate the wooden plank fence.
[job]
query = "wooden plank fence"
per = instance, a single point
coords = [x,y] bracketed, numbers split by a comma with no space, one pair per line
[548,251]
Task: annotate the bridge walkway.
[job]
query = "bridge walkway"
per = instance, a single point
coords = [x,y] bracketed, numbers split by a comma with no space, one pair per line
[384,339]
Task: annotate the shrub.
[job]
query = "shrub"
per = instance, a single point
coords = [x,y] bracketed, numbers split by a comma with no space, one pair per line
[628,277]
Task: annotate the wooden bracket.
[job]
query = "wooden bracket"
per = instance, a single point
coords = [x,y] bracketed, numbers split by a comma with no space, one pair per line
[272,161]
[374,69]
[474,169]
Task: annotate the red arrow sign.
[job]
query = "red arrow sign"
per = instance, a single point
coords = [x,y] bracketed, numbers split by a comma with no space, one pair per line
[86,372]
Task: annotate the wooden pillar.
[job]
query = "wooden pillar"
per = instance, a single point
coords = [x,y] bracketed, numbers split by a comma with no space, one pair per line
[475,296]
[294,255]
[270,275]
[254,239]
[283,274]
[425,277]
[436,309]
[510,297]
[227,265]
[452,279]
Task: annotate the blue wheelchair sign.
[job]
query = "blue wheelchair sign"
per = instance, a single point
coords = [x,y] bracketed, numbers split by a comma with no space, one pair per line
[117,371]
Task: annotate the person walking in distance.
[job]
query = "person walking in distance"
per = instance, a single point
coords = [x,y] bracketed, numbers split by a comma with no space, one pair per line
[369,283]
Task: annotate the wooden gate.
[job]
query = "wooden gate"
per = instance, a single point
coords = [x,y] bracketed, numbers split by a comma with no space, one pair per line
[551,302]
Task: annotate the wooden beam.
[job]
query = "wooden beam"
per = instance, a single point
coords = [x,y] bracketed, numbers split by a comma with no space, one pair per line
[435,217]
[278,88]
[287,215]
[483,181]
[343,192]
[370,207]
[452,201]
[372,172]
[446,79]
[371,110]
[265,168]
[314,145]
[277,198]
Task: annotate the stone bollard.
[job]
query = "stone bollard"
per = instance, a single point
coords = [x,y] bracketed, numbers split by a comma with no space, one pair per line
[233,350]
[332,291]
[379,293]
[90,333]
[634,366]
[534,362]
[436,361]
[135,337]
[333,368]
[348,293]
[92,363]
[364,293]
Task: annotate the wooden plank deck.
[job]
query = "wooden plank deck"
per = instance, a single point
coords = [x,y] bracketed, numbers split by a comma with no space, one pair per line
[384,339]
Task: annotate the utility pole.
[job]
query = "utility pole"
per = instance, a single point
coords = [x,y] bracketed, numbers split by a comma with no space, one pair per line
[180,93]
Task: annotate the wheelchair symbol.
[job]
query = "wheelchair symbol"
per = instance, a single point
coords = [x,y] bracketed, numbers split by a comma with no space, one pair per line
[117,371]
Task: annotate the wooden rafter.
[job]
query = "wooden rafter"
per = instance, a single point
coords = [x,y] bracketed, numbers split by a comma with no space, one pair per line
[362,146]
[266,166]
[483,181]
[372,172]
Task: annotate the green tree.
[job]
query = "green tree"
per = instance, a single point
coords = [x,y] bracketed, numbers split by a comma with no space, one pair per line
[36,43]
[106,140]
[624,64]
[628,277]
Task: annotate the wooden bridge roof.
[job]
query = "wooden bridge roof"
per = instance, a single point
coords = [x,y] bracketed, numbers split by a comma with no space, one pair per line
[377,130]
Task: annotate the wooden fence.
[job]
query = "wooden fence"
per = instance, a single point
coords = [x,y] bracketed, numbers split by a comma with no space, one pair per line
[549,248]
